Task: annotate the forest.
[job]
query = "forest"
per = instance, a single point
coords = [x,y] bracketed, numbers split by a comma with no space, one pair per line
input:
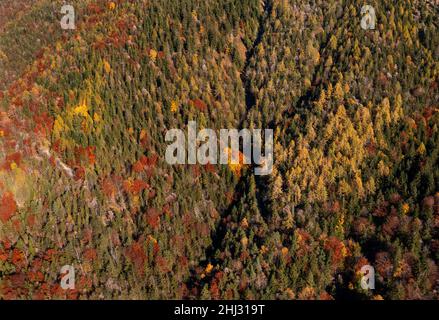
[84,179]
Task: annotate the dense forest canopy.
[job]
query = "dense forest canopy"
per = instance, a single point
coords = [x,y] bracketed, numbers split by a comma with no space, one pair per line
[83,176]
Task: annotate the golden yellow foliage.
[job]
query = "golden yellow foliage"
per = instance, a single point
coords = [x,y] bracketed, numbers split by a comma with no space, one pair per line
[339,228]
[307,83]
[136,201]
[96,117]
[209,268]
[244,241]
[405,208]
[322,100]
[3,56]
[81,110]
[383,169]
[344,251]
[174,106]
[398,271]
[59,126]
[313,53]
[195,59]
[142,134]
[263,249]
[298,236]
[421,150]
[153,54]
[338,92]
[58,46]
[152,239]
[194,15]
[13,166]
[87,267]
[107,66]
[235,167]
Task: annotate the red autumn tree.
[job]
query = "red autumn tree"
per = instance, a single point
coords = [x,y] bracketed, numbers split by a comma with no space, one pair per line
[8,207]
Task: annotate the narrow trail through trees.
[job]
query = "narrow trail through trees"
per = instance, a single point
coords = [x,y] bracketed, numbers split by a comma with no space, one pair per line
[250,99]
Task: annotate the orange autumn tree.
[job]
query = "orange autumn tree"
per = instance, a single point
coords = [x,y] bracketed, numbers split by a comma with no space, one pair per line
[8,207]
[236,168]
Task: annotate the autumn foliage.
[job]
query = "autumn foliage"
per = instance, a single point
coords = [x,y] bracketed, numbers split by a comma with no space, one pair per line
[8,206]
